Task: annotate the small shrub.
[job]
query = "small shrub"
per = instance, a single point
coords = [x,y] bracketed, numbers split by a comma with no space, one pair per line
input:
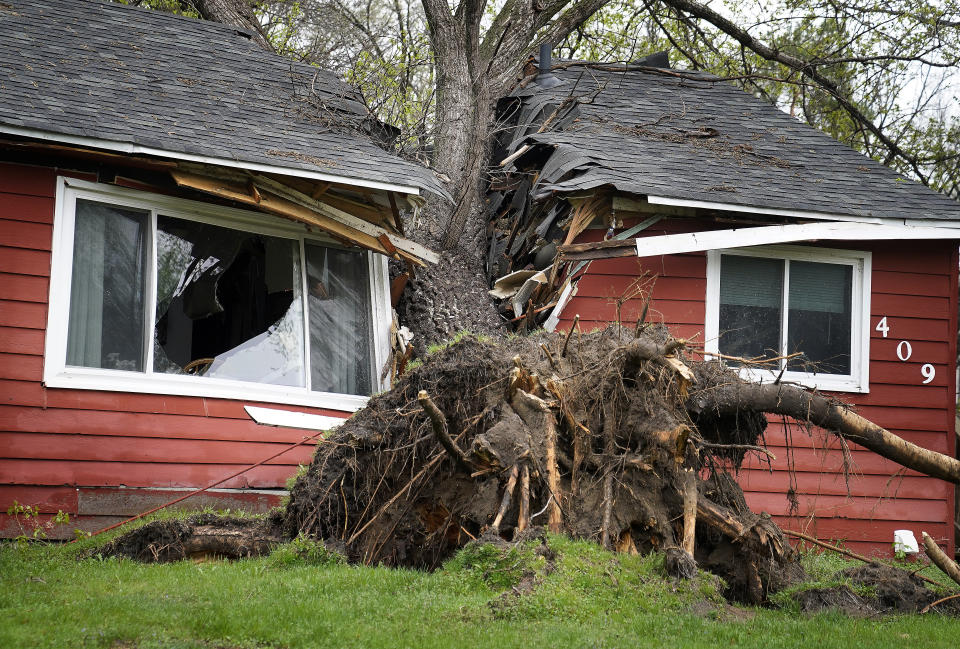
[27,518]
[493,566]
[305,551]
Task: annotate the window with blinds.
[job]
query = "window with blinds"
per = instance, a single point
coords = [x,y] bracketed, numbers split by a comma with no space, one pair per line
[796,311]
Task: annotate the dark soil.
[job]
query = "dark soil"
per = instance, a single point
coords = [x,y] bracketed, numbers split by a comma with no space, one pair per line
[203,536]
[881,589]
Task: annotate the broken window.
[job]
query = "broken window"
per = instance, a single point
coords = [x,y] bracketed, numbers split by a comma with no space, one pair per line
[211,302]
[803,307]
[228,304]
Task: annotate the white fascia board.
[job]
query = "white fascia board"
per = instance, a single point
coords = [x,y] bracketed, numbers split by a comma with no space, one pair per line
[134,149]
[801,214]
[672,244]
[292,419]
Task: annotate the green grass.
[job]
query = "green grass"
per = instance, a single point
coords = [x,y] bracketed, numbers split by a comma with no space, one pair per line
[304,596]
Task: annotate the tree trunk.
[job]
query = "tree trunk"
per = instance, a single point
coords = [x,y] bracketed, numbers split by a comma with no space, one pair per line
[233,12]
[834,416]
[452,295]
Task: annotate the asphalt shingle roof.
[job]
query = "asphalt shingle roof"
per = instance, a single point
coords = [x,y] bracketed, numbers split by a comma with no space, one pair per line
[130,75]
[701,139]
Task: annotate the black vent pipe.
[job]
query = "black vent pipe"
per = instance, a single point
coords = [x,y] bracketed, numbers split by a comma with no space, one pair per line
[545,78]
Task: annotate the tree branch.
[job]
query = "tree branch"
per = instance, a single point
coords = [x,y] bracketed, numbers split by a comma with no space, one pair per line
[804,67]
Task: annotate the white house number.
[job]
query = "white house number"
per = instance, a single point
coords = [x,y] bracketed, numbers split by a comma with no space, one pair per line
[905,351]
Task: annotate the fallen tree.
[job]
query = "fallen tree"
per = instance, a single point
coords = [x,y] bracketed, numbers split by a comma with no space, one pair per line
[614,436]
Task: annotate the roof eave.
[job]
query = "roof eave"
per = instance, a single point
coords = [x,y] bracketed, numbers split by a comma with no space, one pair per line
[800,214]
[133,148]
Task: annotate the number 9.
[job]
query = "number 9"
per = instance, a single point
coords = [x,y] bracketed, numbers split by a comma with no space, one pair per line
[928,371]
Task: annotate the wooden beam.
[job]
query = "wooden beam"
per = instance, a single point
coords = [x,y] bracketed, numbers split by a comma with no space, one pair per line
[405,246]
[598,250]
[365,211]
[279,206]
[118,159]
[397,223]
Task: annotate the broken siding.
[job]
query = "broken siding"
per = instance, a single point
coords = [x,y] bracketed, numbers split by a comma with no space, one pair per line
[913,285]
[69,449]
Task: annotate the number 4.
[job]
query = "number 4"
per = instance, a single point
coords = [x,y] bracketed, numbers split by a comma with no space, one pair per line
[882,326]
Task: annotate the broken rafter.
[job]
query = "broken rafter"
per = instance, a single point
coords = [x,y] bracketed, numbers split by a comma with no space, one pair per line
[395,211]
[279,206]
[598,250]
[277,198]
[407,248]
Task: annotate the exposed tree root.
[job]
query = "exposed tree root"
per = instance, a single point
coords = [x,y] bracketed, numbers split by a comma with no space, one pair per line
[620,440]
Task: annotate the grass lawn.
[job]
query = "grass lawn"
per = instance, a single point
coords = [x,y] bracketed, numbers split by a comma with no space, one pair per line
[484,597]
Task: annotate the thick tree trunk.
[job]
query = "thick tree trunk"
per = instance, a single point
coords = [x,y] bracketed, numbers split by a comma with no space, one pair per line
[452,295]
[233,12]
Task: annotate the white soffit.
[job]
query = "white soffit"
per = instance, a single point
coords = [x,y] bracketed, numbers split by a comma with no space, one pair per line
[819,216]
[672,244]
[131,148]
[292,419]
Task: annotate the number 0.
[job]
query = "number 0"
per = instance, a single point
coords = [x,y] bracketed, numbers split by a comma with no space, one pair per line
[904,350]
[928,371]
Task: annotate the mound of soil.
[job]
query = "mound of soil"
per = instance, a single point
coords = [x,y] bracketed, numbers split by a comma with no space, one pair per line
[614,436]
[883,589]
[203,536]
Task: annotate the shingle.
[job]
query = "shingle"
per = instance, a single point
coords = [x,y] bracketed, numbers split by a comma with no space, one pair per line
[125,74]
[643,134]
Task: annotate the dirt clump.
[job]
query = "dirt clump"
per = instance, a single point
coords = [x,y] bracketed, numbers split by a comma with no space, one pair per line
[871,590]
[895,590]
[200,537]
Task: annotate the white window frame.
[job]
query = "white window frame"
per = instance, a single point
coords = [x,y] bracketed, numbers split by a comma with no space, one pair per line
[57,374]
[861,262]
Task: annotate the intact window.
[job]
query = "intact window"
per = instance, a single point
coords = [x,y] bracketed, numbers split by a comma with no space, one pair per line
[188,301]
[804,307]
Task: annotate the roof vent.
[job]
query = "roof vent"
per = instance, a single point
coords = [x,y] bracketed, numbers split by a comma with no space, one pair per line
[655,60]
[545,78]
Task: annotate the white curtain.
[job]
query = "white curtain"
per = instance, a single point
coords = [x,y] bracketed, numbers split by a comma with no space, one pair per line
[339,298]
[84,341]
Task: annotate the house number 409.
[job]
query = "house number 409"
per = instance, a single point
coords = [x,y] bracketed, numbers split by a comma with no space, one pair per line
[905,351]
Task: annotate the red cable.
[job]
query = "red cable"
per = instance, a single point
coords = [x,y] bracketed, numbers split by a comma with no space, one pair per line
[209,486]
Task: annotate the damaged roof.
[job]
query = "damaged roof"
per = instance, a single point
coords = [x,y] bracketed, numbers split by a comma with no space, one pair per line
[689,136]
[147,81]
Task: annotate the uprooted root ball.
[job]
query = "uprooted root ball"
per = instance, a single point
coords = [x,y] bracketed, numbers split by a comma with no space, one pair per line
[588,435]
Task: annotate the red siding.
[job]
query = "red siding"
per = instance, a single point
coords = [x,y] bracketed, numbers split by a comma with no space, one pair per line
[56,444]
[914,284]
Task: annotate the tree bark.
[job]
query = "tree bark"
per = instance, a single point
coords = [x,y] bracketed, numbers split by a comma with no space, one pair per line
[833,416]
[939,557]
[233,12]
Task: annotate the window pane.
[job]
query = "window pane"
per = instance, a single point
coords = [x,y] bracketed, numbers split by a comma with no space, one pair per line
[751,290]
[228,304]
[107,287]
[340,340]
[819,319]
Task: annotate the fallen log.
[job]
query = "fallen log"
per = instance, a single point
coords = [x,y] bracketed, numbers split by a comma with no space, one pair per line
[939,557]
[830,415]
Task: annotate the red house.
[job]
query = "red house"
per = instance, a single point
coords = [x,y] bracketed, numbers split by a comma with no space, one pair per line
[756,236]
[193,239]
